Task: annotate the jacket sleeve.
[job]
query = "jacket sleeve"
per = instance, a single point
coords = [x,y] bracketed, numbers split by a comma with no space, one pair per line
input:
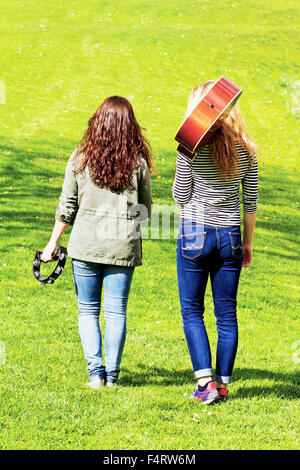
[249,188]
[68,201]
[144,187]
[183,183]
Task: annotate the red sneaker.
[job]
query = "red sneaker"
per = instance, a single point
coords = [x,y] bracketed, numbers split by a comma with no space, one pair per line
[223,394]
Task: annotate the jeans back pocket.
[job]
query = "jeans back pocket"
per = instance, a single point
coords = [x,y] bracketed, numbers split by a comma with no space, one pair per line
[236,244]
[192,244]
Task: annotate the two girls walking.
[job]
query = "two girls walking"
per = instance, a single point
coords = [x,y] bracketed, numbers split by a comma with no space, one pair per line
[107,177]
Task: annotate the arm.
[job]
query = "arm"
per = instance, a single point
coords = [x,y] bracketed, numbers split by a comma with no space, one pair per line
[249,225]
[249,185]
[58,230]
[182,187]
[65,212]
[144,189]
[68,201]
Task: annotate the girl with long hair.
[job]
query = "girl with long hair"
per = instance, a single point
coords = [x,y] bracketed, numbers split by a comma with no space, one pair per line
[210,241]
[106,187]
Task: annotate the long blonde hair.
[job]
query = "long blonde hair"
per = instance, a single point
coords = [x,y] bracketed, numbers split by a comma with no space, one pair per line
[223,142]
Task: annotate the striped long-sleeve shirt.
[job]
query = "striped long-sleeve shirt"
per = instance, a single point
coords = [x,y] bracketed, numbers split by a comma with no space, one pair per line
[205,198]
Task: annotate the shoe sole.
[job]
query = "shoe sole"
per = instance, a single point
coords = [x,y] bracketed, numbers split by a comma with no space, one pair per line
[212,399]
[95,386]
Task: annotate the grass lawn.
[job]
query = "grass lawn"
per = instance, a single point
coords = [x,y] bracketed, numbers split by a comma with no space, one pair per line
[59,60]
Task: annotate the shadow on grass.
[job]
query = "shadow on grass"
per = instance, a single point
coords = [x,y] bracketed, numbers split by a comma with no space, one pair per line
[26,180]
[286,386]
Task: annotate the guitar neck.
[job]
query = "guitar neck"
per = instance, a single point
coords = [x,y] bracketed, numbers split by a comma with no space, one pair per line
[182,149]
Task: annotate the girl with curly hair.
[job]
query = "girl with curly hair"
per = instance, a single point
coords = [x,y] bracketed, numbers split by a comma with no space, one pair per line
[106,193]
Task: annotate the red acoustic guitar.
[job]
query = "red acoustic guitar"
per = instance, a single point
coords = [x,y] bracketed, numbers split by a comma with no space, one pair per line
[220,98]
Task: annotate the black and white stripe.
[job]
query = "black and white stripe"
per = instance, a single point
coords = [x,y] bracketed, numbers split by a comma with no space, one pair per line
[205,198]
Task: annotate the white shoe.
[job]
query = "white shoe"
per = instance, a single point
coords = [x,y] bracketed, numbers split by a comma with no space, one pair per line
[111,384]
[96,383]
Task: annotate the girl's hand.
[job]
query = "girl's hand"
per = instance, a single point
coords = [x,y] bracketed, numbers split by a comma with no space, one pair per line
[247,252]
[48,252]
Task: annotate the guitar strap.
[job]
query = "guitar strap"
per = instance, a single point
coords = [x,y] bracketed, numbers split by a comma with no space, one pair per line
[60,256]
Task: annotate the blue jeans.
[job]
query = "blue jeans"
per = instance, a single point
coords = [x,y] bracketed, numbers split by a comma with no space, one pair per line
[88,279]
[204,250]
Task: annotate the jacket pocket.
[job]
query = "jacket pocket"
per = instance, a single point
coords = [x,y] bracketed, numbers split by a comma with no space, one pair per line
[236,244]
[192,245]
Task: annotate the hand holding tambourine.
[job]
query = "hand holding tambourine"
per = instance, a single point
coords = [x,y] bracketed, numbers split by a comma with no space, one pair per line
[60,256]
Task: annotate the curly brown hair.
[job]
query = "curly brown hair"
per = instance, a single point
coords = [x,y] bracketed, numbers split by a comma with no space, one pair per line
[112,145]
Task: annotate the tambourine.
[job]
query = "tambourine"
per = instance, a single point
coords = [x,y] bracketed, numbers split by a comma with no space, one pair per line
[60,256]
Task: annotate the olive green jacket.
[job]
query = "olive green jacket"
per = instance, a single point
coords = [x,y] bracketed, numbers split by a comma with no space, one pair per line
[105,224]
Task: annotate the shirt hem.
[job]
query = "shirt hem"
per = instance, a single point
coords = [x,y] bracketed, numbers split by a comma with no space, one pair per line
[211,222]
[103,260]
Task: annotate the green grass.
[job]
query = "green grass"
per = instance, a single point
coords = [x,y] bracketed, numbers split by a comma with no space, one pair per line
[59,61]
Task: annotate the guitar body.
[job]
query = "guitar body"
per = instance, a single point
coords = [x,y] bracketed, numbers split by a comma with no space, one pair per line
[220,98]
